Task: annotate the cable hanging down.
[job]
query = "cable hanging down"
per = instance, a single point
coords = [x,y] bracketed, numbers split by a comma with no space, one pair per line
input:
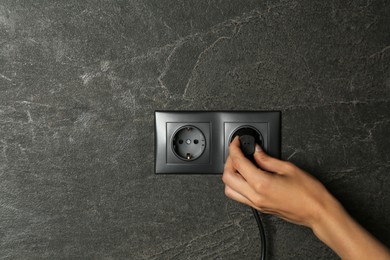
[262,233]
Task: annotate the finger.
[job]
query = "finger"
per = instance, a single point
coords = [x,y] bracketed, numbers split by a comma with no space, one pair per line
[229,164]
[271,164]
[230,193]
[235,181]
[243,165]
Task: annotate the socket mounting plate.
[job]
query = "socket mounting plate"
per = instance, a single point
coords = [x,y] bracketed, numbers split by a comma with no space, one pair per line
[217,128]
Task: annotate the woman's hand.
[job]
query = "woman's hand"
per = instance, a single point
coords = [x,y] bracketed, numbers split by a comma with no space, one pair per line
[277,187]
[282,189]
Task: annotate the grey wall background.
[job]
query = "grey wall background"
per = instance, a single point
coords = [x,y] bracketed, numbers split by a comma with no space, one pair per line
[79,83]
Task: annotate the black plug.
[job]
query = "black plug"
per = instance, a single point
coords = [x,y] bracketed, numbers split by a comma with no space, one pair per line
[248,140]
[247,144]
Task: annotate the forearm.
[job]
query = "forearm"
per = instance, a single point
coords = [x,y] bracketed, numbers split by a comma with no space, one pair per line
[345,236]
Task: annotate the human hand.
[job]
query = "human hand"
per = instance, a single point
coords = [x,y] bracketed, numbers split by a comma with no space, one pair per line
[282,189]
[277,187]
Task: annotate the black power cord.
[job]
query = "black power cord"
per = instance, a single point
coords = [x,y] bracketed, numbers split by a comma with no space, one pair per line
[262,234]
[248,139]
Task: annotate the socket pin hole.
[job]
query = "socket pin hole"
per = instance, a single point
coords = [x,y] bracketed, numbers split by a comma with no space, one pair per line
[196,141]
[180,141]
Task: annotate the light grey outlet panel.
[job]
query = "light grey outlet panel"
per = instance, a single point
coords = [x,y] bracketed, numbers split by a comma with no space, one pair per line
[197,142]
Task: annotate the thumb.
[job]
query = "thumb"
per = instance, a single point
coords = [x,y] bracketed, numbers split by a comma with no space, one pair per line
[269,163]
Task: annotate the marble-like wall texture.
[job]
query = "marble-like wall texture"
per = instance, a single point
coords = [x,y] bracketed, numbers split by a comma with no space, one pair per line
[79,84]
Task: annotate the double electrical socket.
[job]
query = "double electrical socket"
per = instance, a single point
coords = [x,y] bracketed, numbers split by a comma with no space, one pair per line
[197,142]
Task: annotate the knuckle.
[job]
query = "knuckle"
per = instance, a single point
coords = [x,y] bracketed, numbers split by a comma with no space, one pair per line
[288,167]
[262,186]
[258,201]
[225,176]
[228,176]
[228,192]
[259,187]
[263,156]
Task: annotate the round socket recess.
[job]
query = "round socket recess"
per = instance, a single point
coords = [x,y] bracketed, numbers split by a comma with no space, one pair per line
[248,130]
[188,143]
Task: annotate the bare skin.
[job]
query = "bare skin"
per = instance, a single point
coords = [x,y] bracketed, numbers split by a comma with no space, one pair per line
[280,188]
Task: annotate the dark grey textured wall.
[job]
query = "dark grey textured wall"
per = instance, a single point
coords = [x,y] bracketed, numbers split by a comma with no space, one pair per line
[80,80]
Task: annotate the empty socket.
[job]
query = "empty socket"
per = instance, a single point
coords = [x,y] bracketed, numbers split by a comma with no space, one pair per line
[188,143]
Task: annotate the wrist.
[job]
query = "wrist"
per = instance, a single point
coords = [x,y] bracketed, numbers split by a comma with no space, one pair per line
[326,210]
[330,216]
[334,227]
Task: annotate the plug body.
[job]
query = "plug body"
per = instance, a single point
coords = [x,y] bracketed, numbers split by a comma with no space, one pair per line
[247,145]
[249,137]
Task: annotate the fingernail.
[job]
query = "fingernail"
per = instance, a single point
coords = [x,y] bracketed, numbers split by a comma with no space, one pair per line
[258,148]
